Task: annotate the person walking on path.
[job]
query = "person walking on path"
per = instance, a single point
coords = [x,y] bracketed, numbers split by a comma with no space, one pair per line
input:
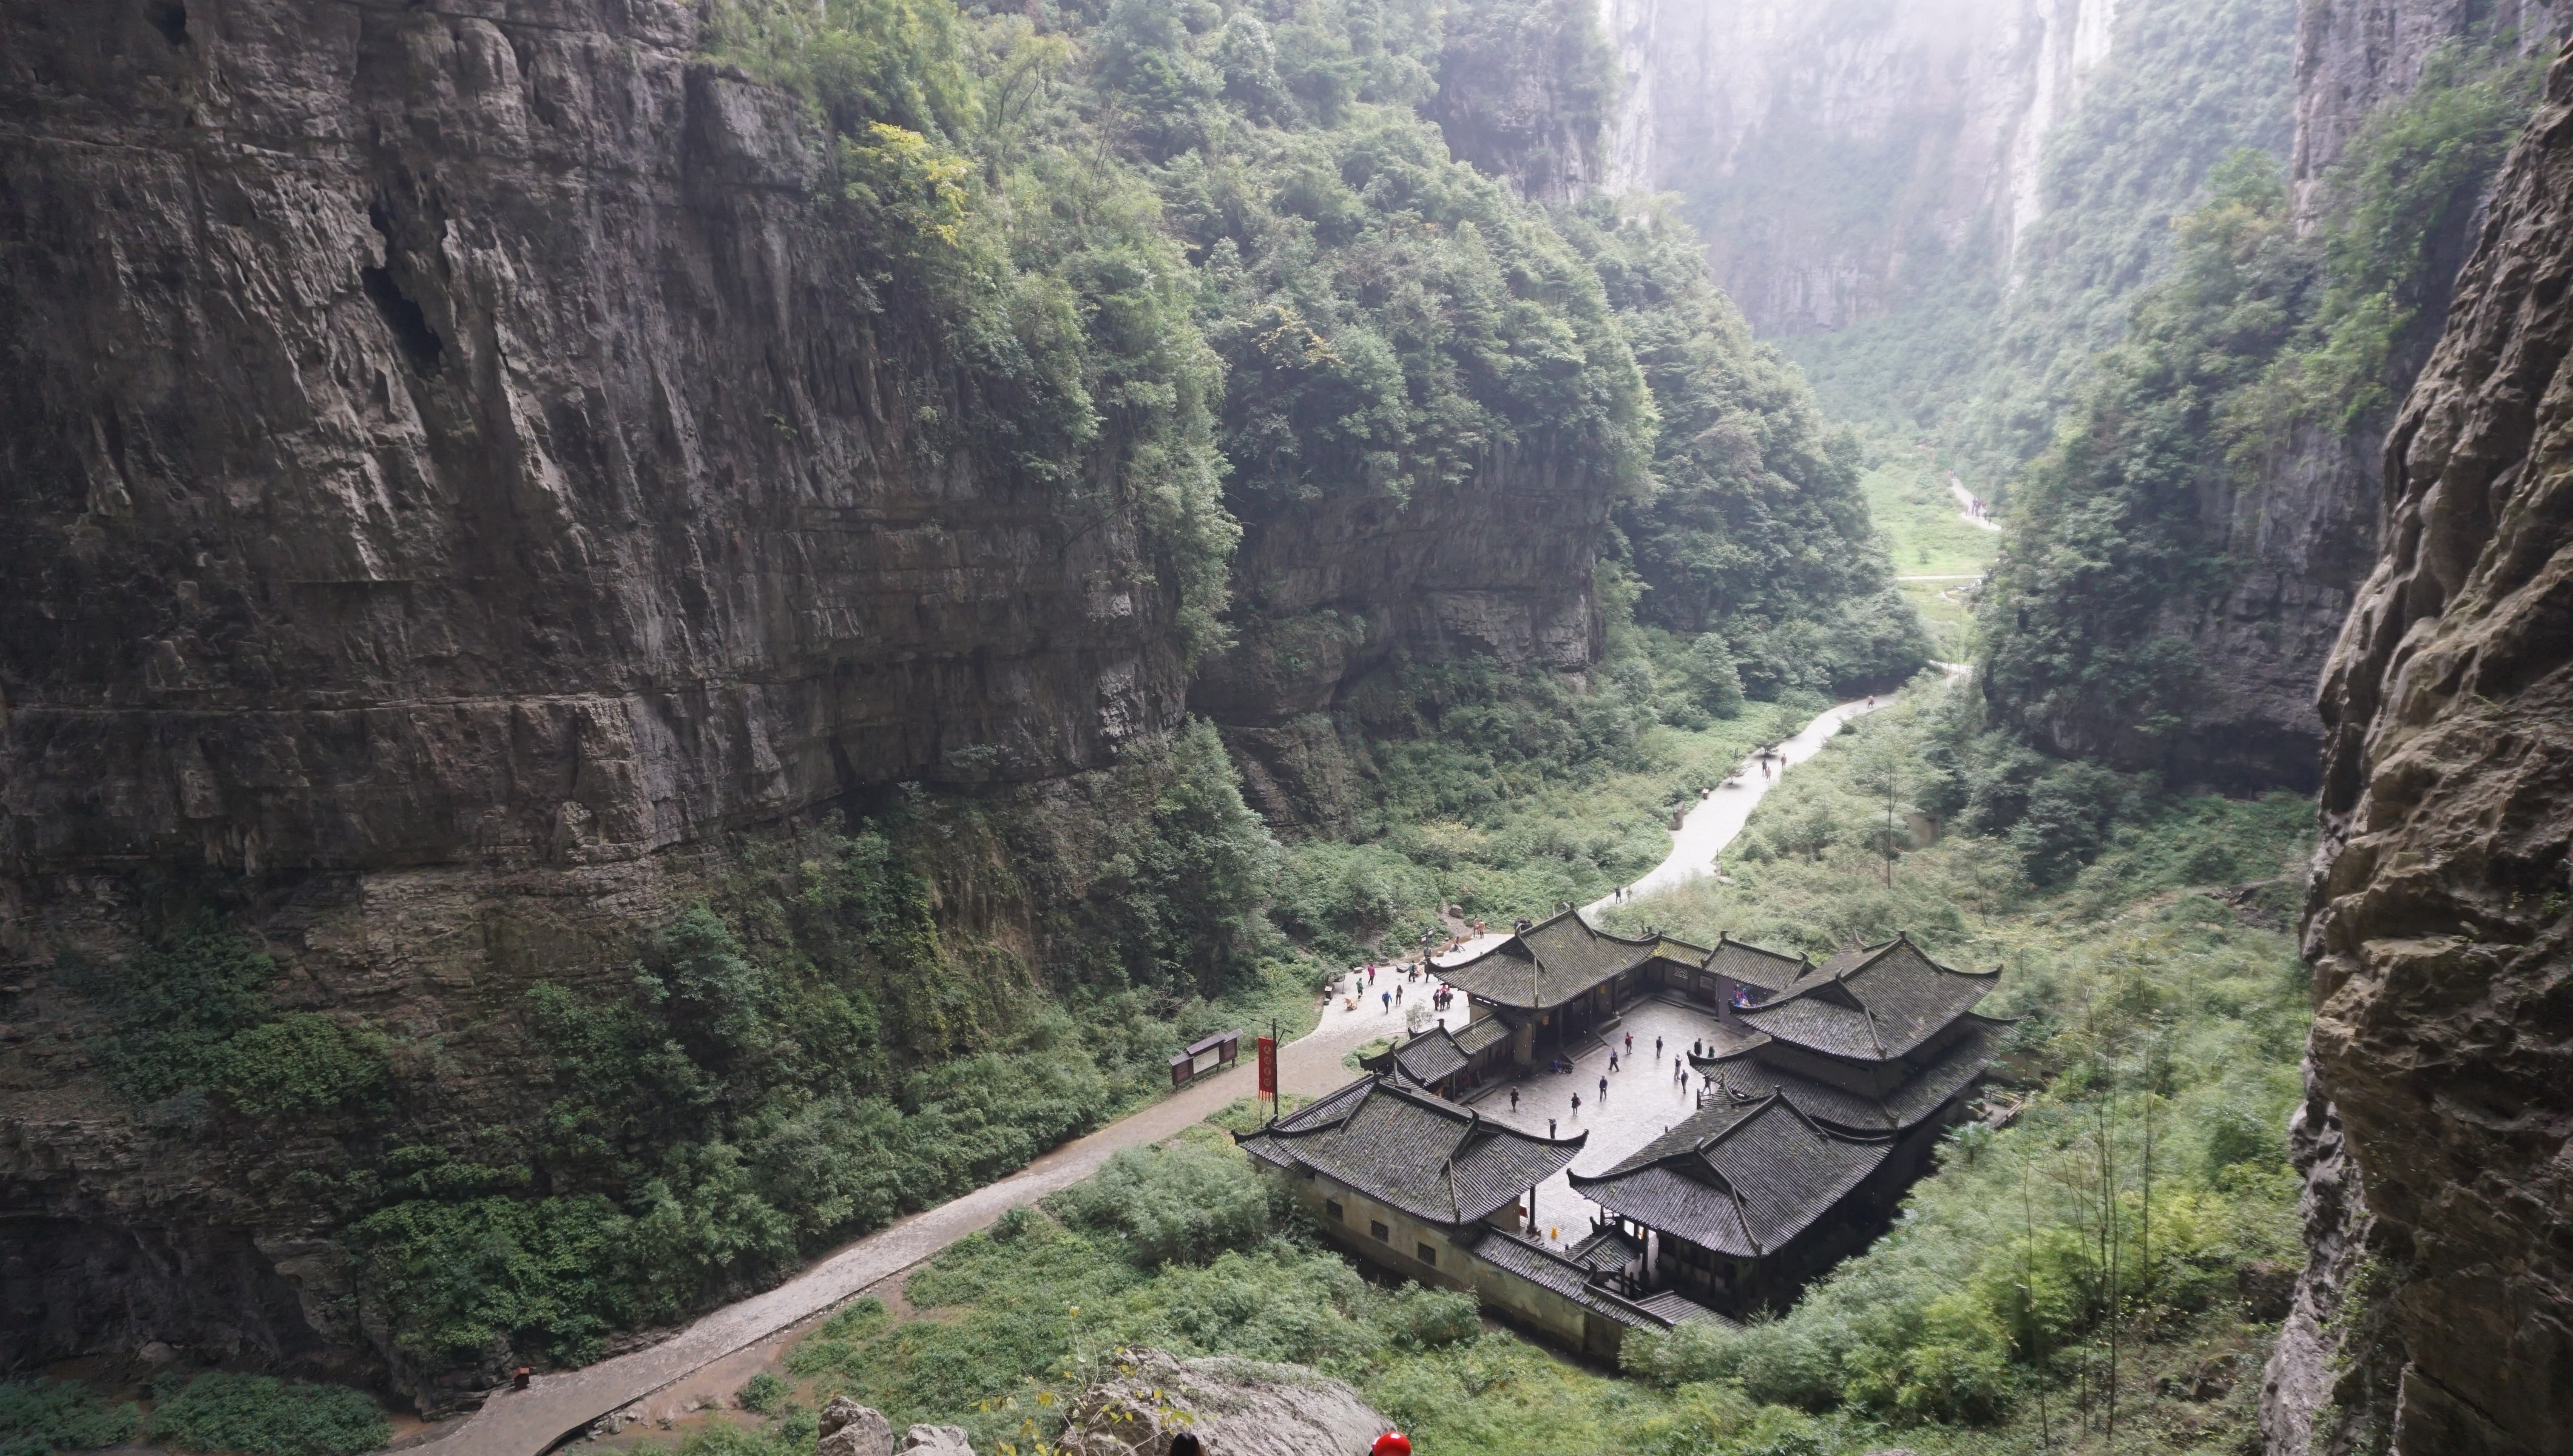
[1576,1104]
[1388,997]
[1612,1064]
[1630,1042]
[1549,1128]
[1604,1089]
[1514,1100]
[1657,1049]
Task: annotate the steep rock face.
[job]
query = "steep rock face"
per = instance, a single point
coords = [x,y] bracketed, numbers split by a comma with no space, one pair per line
[2354,55]
[1830,144]
[1333,591]
[2305,530]
[2438,924]
[443,438]
[450,475]
[2304,535]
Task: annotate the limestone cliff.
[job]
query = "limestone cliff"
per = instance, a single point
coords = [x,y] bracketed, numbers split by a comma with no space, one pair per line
[460,484]
[2305,530]
[452,472]
[2432,1317]
[1828,149]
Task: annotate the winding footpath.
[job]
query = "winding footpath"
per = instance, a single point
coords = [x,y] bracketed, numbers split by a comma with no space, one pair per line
[1965,506]
[553,1407]
[1719,816]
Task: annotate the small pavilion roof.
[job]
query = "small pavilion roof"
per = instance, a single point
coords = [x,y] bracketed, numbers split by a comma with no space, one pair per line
[1438,1053]
[1572,1278]
[1424,1058]
[1753,966]
[1553,961]
[1482,1033]
[1874,1003]
[1741,1177]
[1413,1150]
[1741,1069]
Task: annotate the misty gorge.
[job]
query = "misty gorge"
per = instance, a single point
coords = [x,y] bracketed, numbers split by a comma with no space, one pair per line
[1699,727]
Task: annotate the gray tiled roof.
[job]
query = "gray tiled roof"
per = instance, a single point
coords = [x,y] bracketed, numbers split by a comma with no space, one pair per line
[1606,1248]
[1569,1277]
[1533,1263]
[1937,1079]
[1424,1058]
[1753,966]
[1478,1034]
[1549,965]
[1413,1150]
[1871,1005]
[1679,1310]
[1739,1179]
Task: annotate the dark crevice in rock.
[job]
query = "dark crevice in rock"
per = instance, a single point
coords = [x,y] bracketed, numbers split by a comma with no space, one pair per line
[172,22]
[402,314]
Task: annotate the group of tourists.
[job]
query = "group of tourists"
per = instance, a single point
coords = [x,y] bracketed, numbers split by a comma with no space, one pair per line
[1362,980]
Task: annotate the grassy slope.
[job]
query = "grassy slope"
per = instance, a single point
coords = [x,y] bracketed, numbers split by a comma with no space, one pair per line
[2130,946]
[1908,496]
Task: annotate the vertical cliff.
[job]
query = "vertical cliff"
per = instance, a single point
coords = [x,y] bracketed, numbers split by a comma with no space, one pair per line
[479,482]
[2432,1317]
[455,469]
[2288,319]
[1833,153]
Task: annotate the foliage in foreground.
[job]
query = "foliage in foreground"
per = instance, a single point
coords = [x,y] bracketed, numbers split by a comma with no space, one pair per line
[38,1417]
[260,1415]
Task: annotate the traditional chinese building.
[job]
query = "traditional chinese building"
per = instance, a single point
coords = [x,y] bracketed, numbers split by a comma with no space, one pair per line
[1558,982]
[1435,1192]
[1808,1133]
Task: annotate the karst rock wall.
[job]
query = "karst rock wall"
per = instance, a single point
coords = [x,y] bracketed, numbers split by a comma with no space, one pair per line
[2437,1313]
[451,483]
[2305,529]
[448,475]
[1832,141]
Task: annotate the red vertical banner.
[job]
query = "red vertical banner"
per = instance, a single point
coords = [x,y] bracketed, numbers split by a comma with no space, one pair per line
[1268,1067]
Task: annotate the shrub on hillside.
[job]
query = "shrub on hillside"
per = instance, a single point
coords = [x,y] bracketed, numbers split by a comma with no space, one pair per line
[260,1415]
[1181,1203]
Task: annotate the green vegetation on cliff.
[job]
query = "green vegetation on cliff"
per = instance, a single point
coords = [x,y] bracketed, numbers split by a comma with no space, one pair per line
[2256,336]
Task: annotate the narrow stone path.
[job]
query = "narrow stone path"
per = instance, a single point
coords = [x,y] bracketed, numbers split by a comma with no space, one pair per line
[528,1422]
[1965,506]
[1719,816]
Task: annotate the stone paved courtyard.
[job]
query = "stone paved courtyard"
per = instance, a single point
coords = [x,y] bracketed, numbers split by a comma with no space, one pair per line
[1642,1103]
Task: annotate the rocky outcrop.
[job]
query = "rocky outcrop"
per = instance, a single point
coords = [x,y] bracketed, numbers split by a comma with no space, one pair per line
[851,1429]
[2438,922]
[2352,56]
[444,438]
[2305,530]
[1773,116]
[1237,1407]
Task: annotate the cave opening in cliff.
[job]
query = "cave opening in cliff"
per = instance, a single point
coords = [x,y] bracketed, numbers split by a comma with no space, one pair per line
[419,342]
[172,21]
